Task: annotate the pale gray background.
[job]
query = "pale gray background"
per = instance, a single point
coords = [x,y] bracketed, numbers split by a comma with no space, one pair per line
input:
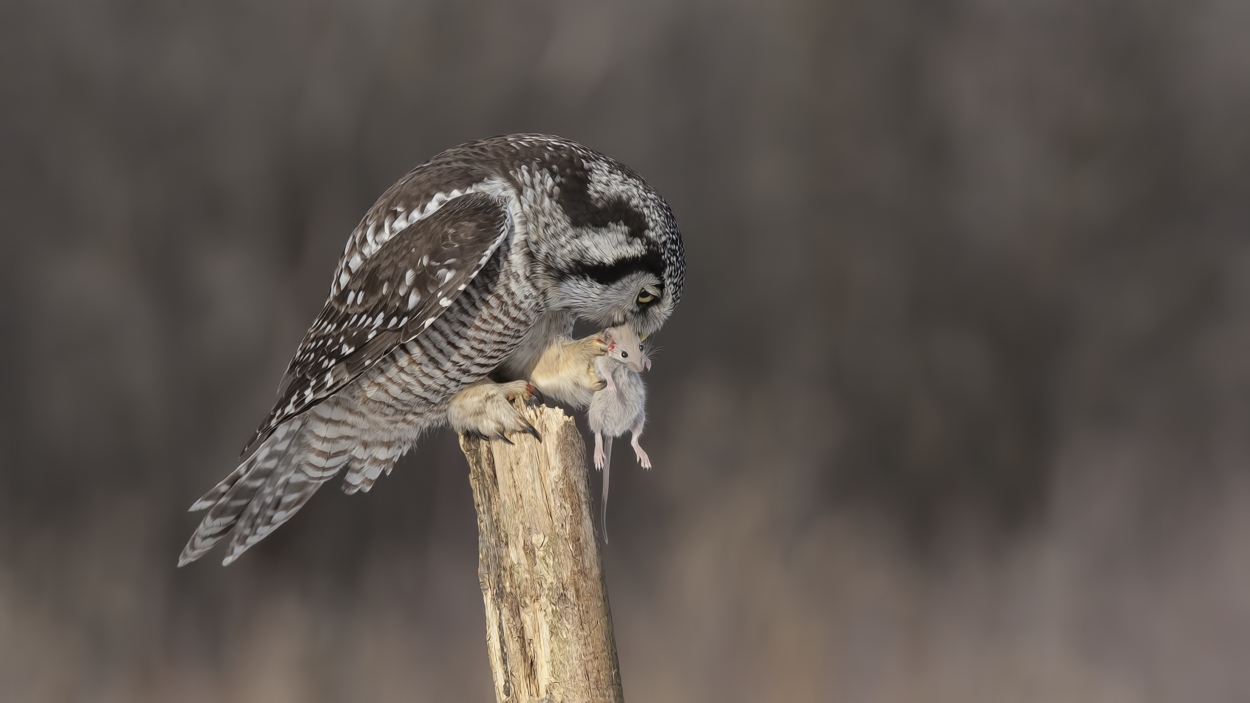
[956,406]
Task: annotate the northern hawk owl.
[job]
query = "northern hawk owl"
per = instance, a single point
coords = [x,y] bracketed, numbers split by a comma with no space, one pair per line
[449,290]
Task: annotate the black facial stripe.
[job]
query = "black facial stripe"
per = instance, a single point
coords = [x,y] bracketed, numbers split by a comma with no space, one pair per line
[606,274]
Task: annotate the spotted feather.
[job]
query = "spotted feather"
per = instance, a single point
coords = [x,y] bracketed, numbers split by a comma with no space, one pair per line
[394,293]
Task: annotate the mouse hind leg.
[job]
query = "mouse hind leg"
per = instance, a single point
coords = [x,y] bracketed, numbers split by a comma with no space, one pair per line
[636,431]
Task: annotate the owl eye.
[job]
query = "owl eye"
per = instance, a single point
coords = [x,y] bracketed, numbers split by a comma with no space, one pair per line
[644,298]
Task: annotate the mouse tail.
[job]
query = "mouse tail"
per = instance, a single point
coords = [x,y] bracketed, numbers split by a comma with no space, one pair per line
[607,467]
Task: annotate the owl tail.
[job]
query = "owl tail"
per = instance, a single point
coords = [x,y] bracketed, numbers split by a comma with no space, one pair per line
[266,489]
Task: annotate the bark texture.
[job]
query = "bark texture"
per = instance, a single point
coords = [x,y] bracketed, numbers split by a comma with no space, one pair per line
[548,622]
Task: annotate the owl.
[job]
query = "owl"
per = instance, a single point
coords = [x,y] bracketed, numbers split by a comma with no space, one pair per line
[463,275]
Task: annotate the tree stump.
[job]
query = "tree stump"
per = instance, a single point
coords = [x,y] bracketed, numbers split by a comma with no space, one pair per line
[548,622]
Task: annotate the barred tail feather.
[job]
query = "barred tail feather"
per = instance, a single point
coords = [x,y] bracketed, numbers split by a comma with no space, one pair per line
[210,499]
[368,464]
[228,499]
[283,493]
[269,487]
[263,458]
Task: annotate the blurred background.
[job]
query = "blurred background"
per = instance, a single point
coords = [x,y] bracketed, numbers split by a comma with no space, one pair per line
[955,408]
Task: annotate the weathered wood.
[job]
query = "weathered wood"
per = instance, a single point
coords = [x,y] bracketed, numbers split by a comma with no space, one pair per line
[548,622]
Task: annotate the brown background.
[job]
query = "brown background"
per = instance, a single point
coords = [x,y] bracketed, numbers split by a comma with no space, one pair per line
[956,406]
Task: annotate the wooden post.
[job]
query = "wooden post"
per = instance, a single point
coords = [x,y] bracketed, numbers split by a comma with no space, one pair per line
[548,623]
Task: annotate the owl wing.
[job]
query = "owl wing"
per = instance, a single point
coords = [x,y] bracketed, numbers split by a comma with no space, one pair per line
[388,294]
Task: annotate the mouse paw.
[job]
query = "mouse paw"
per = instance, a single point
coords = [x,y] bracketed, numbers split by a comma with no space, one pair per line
[643,459]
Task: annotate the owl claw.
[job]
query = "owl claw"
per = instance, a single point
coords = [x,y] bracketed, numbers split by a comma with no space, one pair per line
[534,397]
[502,437]
[529,429]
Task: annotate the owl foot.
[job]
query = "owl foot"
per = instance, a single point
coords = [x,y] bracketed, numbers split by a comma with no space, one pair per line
[566,370]
[485,409]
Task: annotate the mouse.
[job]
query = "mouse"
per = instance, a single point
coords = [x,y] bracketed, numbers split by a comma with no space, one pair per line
[621,406]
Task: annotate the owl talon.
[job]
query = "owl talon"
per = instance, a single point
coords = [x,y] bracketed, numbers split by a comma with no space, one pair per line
[534,397]
[529,429]
[502,437]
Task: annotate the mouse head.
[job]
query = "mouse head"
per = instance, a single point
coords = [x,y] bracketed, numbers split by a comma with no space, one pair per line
[625,346]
